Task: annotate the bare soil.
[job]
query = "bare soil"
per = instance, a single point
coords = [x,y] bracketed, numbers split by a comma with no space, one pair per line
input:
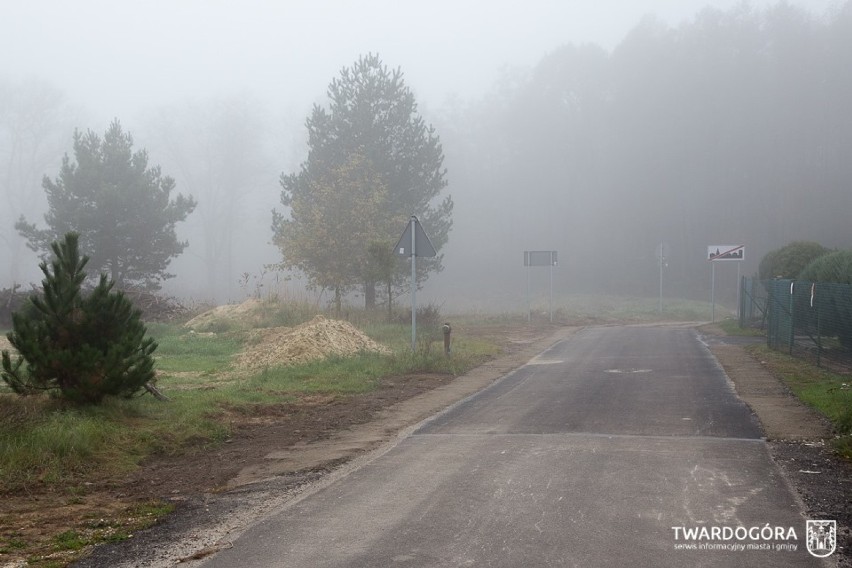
[291,449]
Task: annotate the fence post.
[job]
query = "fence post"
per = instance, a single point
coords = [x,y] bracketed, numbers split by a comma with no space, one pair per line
[791,306]
[819,328]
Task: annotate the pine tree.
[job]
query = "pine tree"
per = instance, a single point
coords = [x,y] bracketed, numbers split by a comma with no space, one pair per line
[85,347]
[123,208]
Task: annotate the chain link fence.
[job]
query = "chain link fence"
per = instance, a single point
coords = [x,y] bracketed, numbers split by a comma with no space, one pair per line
[805,319]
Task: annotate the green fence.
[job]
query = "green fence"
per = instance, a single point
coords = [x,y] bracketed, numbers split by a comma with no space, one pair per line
[804,319]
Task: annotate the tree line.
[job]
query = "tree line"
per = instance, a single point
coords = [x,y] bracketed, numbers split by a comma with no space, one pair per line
[372,162]
[731,128]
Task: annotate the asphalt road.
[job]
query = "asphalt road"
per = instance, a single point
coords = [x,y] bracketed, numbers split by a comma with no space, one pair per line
[615,447]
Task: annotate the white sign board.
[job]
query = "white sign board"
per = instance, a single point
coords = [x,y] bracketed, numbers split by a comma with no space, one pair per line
[726,252]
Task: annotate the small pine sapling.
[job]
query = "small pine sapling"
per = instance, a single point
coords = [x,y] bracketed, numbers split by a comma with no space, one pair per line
[84,347]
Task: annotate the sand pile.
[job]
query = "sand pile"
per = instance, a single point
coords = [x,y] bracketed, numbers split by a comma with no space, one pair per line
[231,316]
[316,339]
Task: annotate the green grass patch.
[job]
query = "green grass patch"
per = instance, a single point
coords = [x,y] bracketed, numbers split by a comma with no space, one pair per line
[827,392]
[68,546]
[181,350]
[44,443]
[69,540]
[605,309]
[731,326]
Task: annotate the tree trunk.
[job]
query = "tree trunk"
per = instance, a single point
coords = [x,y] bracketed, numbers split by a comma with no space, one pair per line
[390,302]
[370,295]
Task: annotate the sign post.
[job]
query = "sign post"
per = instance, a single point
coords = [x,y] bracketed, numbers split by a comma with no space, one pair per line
[717,253]
[539,258]
[414,242]
[662,254]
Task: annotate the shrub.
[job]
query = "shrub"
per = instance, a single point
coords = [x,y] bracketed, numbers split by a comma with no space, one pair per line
[832,271]
[86,348]
[832,267]
[788,261]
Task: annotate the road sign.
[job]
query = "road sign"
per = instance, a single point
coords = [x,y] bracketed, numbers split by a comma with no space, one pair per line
[540,258]
[413,243]
[422,244]
[726,252]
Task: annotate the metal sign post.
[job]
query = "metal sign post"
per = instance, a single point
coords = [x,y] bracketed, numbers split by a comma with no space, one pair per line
[539,258]
[414,242]
[662,254]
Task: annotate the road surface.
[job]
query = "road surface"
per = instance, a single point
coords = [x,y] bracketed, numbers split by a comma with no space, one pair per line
[620,446]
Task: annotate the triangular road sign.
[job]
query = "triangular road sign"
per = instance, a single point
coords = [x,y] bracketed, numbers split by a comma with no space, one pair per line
[422,244]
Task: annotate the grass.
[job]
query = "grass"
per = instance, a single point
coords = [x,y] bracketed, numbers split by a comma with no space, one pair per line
[179,351]
[66,546]
[731,326]
[827,392]
[631,309]
[47,444]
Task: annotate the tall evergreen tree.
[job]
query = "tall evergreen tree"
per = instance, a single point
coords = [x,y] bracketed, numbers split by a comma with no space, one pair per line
[121,208]
[85,347]
[372,122]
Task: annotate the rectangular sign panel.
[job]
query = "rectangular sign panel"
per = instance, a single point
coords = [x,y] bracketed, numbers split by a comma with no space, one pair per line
[540,258]
[726,252]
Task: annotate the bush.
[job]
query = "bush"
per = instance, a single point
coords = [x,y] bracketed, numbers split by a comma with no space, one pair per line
[788,262]
[86,348]
[834,272]
[832,267]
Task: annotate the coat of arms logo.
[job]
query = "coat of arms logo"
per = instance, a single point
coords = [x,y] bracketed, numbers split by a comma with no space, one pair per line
[821,538]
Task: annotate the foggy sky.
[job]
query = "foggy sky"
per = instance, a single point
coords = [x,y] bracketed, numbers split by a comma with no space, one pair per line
[116,57]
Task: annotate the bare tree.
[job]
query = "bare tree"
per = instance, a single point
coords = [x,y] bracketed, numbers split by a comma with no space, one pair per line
[216,149]
[35,124]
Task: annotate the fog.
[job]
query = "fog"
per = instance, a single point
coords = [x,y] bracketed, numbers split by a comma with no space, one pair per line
[595,128]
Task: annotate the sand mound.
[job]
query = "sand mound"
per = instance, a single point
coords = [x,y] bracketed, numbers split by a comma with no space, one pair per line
[316,339]
[227,317]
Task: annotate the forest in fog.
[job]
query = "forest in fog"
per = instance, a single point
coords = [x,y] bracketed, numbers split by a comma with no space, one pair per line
[733,127]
